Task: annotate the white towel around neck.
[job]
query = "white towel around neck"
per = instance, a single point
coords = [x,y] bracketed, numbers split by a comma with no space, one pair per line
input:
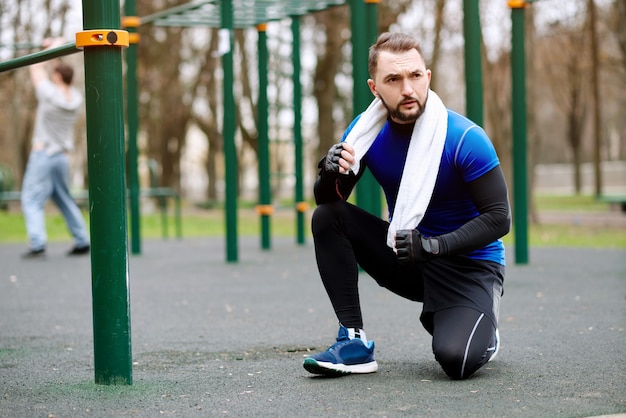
[422,160]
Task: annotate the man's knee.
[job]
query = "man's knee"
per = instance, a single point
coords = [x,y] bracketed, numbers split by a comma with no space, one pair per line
[325,215]
[450,359]
[456,362]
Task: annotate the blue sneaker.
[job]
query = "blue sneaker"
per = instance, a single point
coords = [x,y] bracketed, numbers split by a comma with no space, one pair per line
[346,356]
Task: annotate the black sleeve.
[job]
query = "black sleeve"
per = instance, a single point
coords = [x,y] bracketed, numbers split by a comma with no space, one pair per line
[489,193]
[331,186]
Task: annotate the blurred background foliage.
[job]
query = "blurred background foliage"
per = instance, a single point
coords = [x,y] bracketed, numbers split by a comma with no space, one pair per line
[179,74]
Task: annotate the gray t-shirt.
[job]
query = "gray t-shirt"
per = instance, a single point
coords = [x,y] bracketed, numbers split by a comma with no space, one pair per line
[55,118]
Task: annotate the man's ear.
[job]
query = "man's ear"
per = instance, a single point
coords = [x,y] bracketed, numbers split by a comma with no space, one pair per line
[372,87]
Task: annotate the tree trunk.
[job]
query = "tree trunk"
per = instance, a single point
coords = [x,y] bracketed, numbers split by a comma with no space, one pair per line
[533,95]
[439,20]
[334,23]
[207,121]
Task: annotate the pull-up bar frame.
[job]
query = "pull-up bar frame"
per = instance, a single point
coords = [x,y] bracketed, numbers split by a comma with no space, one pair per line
[105,140]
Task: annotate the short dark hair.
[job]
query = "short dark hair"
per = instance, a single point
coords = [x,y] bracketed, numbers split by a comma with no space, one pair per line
[391,42]
[66,72]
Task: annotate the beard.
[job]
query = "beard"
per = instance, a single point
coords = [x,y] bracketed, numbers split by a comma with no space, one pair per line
[406,117]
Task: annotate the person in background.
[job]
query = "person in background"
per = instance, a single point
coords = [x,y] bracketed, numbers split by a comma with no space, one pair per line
[448,208]
[47,171]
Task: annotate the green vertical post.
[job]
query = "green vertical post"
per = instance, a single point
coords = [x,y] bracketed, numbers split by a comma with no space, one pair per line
[107,199]
[265,194]
[518,77]
[368,193]
[473,68]
[371,14]
[132,123]
[297,130]
[228,133]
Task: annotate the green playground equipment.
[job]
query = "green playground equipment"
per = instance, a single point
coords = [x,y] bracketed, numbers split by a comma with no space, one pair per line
[520,176]
[102,50]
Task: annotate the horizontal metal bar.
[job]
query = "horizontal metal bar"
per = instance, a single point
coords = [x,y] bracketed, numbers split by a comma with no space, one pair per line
[246,13]
[177,10]
[37,57]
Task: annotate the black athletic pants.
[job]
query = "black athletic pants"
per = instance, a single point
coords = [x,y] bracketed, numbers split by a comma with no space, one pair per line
[461,298]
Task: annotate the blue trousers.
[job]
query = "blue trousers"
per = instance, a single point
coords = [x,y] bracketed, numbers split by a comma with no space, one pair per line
[47,177]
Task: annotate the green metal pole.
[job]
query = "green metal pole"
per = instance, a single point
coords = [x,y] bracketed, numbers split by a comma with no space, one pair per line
[107,199]
[265,196]
[520,187]
[371,13]
[361,94]
[297,129]
[132,122]
[230,150]
[473,68]
[177,215]
[368,193]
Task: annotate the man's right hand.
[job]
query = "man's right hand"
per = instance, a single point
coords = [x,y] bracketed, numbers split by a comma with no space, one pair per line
[339,159]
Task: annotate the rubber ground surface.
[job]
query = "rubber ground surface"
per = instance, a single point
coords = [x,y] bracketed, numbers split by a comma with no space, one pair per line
[211,338]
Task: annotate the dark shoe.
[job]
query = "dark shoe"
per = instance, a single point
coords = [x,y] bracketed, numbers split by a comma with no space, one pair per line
[79,250]
[39,254]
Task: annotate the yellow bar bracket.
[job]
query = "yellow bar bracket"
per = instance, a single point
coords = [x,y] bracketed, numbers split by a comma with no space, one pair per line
[261,27]
[265,210]
[517,4]
[132,22]
[302,206]
[102,37]
[133,37]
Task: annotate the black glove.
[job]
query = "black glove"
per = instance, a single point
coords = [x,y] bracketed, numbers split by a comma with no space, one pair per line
[412,247]
[331,165]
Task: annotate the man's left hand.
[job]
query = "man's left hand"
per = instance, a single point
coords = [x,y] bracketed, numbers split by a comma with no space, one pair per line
[412,247]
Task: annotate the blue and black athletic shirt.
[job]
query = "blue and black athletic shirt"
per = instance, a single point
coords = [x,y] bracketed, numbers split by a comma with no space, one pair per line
[467,155]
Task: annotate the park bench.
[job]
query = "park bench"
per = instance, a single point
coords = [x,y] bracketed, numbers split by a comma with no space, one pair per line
[154,191]
[614,200]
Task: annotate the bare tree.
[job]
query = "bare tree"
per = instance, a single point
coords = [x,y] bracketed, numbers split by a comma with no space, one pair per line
[206,116]
[497,98]
[595,89]
[613,60]
[439,25]
[165,98]
[617,16]
[333,23]
[567,72]
[534,89]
